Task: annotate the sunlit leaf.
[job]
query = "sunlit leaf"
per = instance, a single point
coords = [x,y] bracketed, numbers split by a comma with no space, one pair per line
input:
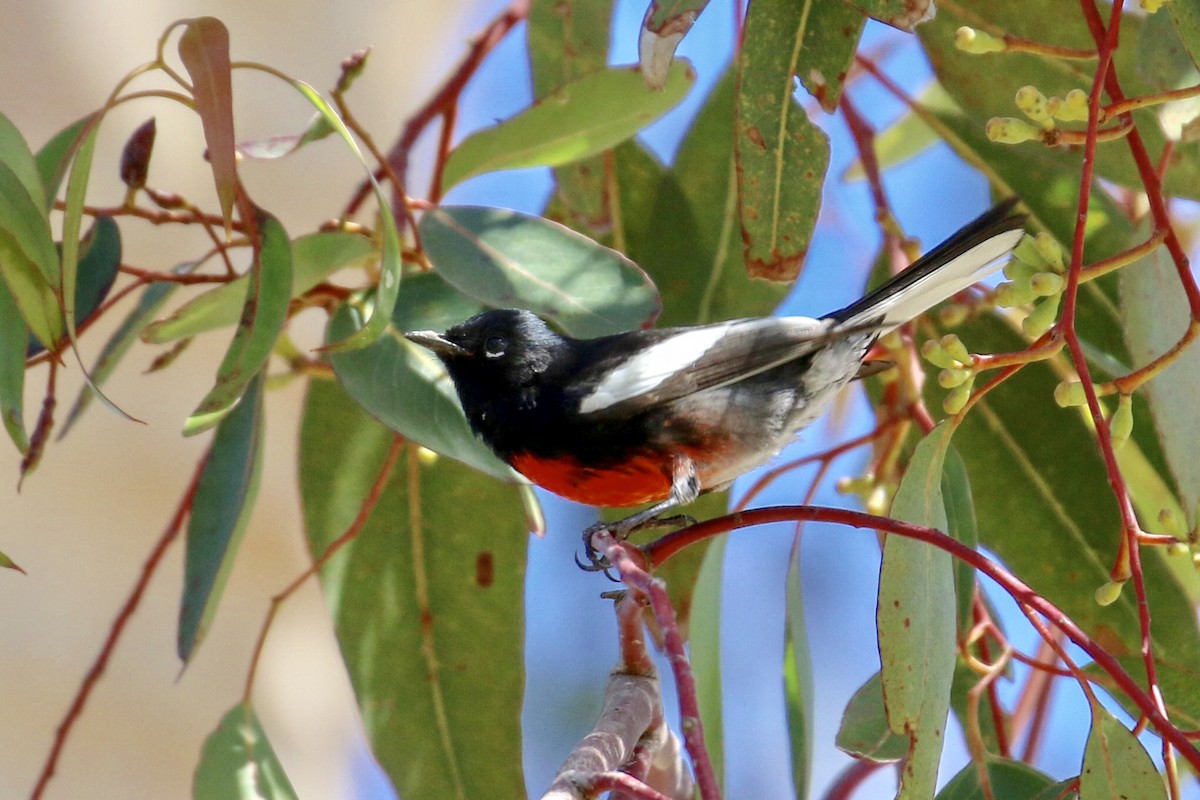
[55,156]
[830,40]
[14,334]
[864,731]
[781,155]
[426,600]
[405,386]
[268,293]
[28,259]
[1006,779]
[696,259]
[916,619]
[1115,765]
[314,257]
[272,147]
[798,682]
[704,650]
[508,259]
[220,510]
[1156,315]
[204,50]
[238,762]
[581,118]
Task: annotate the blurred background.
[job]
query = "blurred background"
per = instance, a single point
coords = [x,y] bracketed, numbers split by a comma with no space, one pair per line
[83,524]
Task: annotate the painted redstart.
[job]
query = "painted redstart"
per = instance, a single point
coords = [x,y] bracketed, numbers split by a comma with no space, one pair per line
[660,416]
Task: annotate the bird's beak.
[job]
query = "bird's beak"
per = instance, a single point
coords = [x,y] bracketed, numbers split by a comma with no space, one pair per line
[434,341]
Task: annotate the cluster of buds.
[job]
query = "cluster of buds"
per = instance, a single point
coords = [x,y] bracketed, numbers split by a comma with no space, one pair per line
[1042,115]
[876,497]
[958,369]
[1036,275]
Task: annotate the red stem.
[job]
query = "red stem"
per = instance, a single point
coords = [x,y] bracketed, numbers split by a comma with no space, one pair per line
[661,549]
[114,634]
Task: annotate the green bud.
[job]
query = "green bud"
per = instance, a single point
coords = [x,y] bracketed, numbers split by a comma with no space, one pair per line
[1051,253]
[971,40]
[1171,523]
[1120,424]
[955,348]
[1045,284]
[1074,107]
[1011,295]
[1020,271]
[1070,393]
[1010,130]
[877,501]
[949,378]
[1028,253]
[933,352]
[956,399]
[1033,104]
[1042,317]
[1178,549]
[1107,594]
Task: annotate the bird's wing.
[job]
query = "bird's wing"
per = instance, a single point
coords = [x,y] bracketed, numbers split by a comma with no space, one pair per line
[669,364]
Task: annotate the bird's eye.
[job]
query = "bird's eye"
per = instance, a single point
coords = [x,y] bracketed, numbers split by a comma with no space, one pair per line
[495,346]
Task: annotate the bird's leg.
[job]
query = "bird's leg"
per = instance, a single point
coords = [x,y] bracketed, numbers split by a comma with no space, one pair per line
[685,487]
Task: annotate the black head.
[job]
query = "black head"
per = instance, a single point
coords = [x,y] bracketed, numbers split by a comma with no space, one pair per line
[496,356]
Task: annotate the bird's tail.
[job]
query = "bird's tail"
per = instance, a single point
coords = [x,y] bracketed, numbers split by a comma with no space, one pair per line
[974,252]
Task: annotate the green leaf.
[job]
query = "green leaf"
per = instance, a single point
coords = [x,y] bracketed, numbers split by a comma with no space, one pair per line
[798,681]
[204,50]
[220,510]
[507,259]
[77,183]
[831,38]
[390,265]
[781,156]
[1115,765]
[268,293]
[1007,779]
[14,334]
[680,225]
[28,260]
[8,563]
[314,257]
[663,28]
[704,649]
[97,268]
[902,14]
[238,762]
[427,602]
[579,119]
[405,386]
[272,147]
[16,155]
[56,155]
[148,305]
[567,40]
[960,523]
[1155,316]
[1186,16]
[916,619]
[864,731]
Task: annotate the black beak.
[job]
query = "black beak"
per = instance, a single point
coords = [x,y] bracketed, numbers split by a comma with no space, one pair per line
[440,345]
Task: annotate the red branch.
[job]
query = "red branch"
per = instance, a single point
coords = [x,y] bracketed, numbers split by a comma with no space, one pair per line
[661,549]
[114,634]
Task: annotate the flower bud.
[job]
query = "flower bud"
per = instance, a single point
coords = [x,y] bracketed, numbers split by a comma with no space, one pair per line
[1009,130]
[977,42]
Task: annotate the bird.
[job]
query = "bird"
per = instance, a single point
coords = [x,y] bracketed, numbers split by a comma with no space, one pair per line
[663,415]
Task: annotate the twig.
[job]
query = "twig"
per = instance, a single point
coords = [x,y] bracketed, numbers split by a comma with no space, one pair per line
[114,634]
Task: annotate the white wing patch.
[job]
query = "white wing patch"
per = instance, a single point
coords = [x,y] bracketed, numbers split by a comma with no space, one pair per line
[655,365]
